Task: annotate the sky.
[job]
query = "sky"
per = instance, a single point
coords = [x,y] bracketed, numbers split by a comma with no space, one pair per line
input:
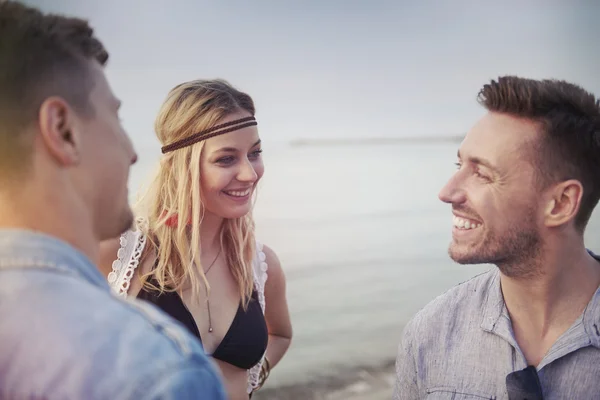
[339,68]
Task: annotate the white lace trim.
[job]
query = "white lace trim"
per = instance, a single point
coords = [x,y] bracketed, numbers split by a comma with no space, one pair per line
[128,259]
[260,267]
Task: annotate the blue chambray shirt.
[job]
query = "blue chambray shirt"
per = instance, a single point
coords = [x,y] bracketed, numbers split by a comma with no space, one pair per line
[63,335]
[462,346]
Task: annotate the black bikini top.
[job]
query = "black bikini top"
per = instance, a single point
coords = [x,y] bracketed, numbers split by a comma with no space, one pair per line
[245,342]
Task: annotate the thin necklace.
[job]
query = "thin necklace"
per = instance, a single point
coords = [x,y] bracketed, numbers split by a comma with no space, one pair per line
[210,329]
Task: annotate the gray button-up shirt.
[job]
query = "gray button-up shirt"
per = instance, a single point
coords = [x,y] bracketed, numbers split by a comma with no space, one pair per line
[462,346]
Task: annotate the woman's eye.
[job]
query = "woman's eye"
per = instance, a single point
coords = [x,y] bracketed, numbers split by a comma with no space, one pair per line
[226,160]
[256,153]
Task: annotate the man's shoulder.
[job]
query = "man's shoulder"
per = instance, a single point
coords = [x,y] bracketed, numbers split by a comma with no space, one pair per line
[96,338]
[465,299]
[70,301]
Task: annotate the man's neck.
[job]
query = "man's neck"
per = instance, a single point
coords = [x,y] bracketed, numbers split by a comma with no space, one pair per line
[548,302]
[48,210]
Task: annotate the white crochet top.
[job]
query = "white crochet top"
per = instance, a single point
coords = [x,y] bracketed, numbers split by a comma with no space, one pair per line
[128,259]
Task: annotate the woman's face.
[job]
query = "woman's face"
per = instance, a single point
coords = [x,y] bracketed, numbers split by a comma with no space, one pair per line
[230,168]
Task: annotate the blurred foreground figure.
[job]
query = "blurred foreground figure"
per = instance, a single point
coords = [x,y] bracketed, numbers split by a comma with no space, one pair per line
[528,180]
[64,164]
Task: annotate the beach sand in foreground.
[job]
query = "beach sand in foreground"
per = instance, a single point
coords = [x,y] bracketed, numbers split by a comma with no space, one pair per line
[368,383]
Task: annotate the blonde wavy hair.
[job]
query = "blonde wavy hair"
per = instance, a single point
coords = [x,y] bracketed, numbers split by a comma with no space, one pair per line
[175,192]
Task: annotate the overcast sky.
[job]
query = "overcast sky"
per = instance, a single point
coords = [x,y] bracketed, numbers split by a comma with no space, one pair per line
[343,68]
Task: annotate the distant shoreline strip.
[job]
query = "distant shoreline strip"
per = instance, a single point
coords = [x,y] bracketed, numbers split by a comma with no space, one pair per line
[375,141]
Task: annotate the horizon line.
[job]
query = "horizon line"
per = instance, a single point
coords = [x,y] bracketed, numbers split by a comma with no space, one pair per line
[377,140]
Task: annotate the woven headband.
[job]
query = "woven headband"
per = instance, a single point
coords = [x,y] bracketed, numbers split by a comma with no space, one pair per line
[211,132]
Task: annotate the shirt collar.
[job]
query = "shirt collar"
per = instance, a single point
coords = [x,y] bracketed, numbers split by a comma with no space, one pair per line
[23,248]
[494,308]
[591,315]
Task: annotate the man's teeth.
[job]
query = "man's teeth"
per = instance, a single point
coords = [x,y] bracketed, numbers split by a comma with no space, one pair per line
[462,223]
[238,193]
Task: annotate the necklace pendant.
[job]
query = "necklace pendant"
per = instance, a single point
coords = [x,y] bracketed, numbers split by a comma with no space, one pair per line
[210,330]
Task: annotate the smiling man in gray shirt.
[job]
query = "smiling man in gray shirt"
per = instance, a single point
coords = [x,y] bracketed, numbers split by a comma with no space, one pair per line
[527,182]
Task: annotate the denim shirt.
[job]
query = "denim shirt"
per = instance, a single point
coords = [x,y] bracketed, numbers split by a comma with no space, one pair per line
[462,346]
[63,335]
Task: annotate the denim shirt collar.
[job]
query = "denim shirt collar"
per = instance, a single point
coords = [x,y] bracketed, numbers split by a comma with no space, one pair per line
[23,248]
[585,330]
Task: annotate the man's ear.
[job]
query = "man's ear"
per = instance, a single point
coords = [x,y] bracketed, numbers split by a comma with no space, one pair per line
[564,200]
[57,125]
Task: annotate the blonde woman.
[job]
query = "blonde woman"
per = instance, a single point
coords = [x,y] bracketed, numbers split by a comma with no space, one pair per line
[193,252]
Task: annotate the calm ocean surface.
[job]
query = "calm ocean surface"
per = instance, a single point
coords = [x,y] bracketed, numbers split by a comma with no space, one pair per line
[362,238]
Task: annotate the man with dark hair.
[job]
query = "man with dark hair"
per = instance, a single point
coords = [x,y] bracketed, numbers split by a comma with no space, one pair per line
[64,164]
[528,180]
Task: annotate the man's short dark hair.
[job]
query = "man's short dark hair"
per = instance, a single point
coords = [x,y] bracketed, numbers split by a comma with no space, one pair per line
[569,120]
[41,55]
